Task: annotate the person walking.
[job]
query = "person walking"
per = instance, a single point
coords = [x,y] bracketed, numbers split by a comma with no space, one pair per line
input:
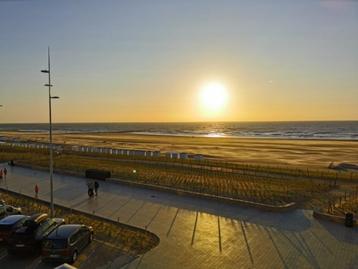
[5,172]
[90,188]
[0,173]
[36,191]
[96,186]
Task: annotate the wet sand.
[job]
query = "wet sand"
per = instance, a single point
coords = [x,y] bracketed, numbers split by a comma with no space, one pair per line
[316,153]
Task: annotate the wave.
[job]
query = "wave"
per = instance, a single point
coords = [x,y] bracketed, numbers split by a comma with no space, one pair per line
[342,130]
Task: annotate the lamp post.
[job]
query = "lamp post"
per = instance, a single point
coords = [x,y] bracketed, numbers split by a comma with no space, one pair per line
[50,97]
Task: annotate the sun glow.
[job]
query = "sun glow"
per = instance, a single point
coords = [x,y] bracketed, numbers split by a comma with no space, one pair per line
[213,97]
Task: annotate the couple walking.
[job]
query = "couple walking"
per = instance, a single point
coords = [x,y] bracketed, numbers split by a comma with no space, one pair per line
[3,173]
[92,188]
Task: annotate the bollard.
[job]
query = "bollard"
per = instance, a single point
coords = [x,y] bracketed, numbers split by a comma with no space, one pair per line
[349,220]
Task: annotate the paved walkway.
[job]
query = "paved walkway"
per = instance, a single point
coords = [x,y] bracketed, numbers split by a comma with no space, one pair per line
[198,234]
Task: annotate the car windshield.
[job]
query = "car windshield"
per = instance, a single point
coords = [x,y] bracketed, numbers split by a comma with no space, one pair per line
[30,225]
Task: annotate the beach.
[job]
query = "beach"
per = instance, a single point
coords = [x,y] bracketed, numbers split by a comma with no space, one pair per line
[295,152]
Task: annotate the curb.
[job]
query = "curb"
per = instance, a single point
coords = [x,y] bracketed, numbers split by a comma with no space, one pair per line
[332,218]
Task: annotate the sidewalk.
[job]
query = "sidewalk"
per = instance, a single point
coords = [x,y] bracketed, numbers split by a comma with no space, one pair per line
[196,233]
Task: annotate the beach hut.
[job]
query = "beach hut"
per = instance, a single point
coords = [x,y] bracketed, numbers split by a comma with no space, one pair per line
[198,157]
[183,155]
[172,155]
[75,148]
[140,153]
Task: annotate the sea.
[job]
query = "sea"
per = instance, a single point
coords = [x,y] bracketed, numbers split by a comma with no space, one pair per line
[334,130]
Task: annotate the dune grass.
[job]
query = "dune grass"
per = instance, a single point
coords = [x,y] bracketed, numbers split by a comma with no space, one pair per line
[239,183]
[344,203]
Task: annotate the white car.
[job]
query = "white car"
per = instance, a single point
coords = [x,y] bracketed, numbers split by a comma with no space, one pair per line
[65,266]
[7,210]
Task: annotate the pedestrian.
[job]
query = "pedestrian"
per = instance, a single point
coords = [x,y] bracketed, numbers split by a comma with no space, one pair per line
[90,188]
[5,172]
[0,173]
[96,186]
[36,191]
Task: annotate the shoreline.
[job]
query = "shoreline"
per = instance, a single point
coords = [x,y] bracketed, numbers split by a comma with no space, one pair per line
[180,135]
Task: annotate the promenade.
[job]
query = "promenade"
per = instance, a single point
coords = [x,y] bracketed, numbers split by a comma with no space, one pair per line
[197,233]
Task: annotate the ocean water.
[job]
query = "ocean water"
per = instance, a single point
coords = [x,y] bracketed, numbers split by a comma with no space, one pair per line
[344,130]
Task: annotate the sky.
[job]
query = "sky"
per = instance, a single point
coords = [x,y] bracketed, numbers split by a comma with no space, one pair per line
[146,61]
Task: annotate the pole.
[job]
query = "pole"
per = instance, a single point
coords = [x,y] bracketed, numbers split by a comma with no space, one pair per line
[50,131]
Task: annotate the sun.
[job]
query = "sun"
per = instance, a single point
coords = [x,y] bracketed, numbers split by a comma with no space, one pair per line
[213,97]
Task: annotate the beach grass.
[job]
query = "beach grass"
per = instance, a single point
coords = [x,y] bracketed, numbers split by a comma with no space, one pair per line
[270,186]
[347,202]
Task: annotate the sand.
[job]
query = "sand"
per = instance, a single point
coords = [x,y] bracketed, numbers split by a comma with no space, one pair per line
[308,153]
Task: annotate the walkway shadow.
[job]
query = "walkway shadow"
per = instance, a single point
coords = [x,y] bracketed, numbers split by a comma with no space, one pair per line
[340,232]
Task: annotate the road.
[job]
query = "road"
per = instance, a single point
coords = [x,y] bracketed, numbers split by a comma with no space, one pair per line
[197,233]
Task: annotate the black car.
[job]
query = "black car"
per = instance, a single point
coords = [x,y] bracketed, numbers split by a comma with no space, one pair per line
[9,224]
[66,242]
[29,236]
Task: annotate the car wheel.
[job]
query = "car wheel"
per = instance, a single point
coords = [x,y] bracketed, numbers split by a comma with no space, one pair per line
[74,256]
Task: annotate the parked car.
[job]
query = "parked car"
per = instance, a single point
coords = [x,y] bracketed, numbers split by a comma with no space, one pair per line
[65,266]
[9,224]
[28,238]
[8,210]
[66,242]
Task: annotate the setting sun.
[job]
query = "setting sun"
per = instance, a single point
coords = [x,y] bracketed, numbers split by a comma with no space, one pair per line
[213,96]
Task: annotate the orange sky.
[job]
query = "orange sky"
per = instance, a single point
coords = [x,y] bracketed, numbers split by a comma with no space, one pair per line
[125,61]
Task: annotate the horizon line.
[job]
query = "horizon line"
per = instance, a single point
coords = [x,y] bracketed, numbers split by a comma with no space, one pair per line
[161,122]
